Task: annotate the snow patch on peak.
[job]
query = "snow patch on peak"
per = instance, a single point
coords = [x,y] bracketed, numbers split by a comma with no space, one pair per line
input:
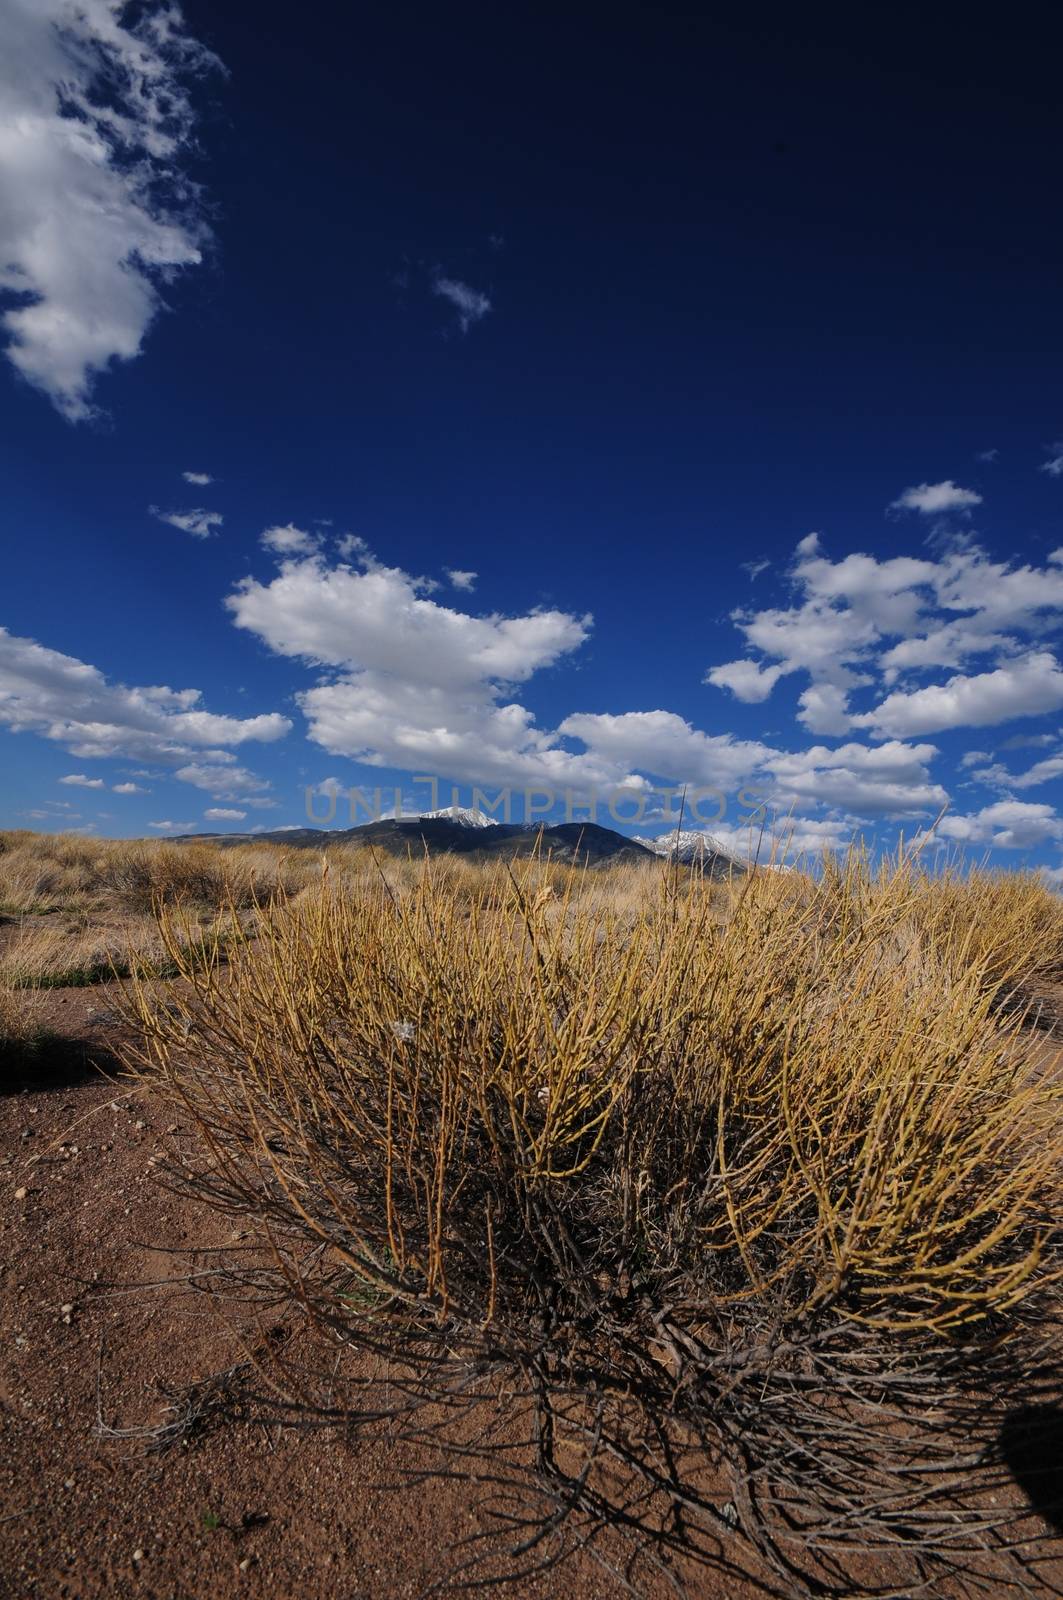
[464,816]
[688,845]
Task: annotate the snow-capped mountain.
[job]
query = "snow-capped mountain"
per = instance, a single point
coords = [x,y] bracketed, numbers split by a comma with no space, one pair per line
[692,848]
[460,831]
[464,816]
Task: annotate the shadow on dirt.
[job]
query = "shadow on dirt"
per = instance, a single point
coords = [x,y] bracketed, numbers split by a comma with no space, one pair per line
[1039,1011]
[1031,1443]
[52,1061]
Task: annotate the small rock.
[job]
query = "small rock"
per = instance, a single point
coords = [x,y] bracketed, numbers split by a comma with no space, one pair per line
[245,1563]
[20,1194]
[138,1555]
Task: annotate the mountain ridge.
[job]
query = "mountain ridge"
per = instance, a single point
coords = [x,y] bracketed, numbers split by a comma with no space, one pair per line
[586,842]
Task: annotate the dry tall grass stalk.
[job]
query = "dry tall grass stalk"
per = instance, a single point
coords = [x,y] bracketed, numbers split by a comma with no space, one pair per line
[46,872]
[13,1022]
[23,1042]
[769,1197]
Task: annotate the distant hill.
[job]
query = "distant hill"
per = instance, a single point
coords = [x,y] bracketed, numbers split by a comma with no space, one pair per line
[447,833]
[462,831]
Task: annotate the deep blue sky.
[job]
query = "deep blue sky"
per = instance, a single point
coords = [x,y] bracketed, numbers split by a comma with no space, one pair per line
[746,280]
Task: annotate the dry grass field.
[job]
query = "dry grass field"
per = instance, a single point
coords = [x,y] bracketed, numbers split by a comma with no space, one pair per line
[710,1228]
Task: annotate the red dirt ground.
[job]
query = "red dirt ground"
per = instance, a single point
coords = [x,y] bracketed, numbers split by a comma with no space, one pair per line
[244,1510]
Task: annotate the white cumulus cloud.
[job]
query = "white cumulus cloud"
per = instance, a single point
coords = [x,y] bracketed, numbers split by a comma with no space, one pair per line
[932,499]
[221,781]
[1025,687]
[200,479]
[1006,825]
[97,210]
[859,621]
[747,680]
[407,682]
[782,838]
[379,620]
[61,698]
[288,540]
[891,780]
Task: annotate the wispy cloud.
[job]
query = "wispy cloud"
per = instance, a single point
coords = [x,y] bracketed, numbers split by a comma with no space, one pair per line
[199,523]
[352,547]
[129,788]
[78,780]
[461,580]
[288,540]
[224,814]
[754,568]
[201,479]
[1054,465]
[223,782]
[470,304]
[97,206]
[931,499]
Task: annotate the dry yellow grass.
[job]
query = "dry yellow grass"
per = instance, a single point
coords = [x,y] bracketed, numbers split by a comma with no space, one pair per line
[758,1172]
[45,872]
[751,1176]
[71,951]
[21,1035]
[84,909]
[1005,922]
[841,1024]
[12,1018]
[41,873]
